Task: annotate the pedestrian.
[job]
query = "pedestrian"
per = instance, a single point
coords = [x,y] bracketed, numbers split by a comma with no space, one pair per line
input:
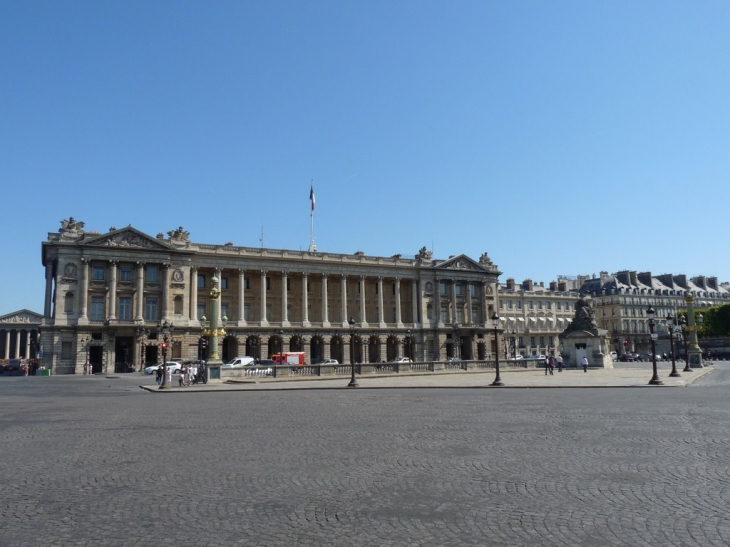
[181,378]
[584,363]
[559,361]
[551,364]
[547,366]
[159,375]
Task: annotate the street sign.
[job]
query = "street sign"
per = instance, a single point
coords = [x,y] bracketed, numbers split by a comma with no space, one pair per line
[40,354]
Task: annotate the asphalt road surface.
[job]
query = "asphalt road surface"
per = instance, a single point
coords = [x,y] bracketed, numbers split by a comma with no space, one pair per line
[98,461]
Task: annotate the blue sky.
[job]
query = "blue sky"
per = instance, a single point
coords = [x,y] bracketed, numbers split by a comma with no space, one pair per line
[560,137]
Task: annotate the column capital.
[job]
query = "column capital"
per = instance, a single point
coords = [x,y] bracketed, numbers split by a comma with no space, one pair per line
[284,273]
[85,260]
[324,276]
[241,271]
[113,261]
[305,274]
[264,272]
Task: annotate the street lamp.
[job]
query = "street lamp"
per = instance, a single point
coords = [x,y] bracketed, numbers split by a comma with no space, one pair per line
[353,381]
[457,342]
[655,381]
[141,334]
[495,322]
[514,343]
[166,329]
[85,341]
[685,342]
[409,344]
[671,326]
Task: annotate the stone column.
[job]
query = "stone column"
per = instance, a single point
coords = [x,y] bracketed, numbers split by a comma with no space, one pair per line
[49,290]
[437,302]
[363,316]
[284,300]
[325,317]
[414,295]
[17,343]
[343,295]
[241,297]
[264,321]
[467,319]
[453,301]
[305,300]
[112,290]
[165,292]
[194,295]
[27,344]
[84,290]
[485,307]
[139,316]
[381,311]
[7,344]
[398,321]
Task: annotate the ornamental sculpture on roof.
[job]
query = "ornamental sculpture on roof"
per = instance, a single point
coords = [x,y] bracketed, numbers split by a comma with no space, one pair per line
[179,235]
[71,225]
[484,260]
[424,254]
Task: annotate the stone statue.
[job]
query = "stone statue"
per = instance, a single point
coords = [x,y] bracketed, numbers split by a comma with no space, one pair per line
[585,317]
[424,254]
[179,235]
[485,260]
[71,225]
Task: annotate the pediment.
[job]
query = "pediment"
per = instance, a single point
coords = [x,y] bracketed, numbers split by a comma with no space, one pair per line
[461,263]
[128,238]
[26,317]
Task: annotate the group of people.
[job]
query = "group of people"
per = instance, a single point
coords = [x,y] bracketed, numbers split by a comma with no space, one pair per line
[551,362]
[189,374]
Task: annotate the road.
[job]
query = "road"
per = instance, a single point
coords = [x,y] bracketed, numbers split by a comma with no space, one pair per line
[98,461]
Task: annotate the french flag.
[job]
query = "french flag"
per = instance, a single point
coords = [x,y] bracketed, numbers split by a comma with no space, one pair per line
[311,195]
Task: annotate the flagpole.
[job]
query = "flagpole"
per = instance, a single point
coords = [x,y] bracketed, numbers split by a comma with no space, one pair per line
[312,246]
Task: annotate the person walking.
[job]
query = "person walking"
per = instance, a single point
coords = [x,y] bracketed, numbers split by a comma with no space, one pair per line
[181,377]
[547,366]
[559,361]
[551,364]
[584,363]
[158,375]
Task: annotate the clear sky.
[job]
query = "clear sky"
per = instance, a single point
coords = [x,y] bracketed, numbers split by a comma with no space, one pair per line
[561,137]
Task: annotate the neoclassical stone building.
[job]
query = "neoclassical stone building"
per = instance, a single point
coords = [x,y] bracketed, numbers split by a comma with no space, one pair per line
[19,335]
[107,293]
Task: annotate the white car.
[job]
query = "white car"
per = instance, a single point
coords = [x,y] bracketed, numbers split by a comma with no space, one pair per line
[330,362]
[240,362]
[172,365]
[401,360]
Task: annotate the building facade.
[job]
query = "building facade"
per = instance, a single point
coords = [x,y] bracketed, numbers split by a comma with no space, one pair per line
[106,295]
[19,335]
[621,300]
[534,315]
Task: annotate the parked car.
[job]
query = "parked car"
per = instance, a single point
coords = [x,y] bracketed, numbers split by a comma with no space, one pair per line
[330,362]
[613,355]
[454,359]
[239,362]
[172,365]
[401,360]
[626,358]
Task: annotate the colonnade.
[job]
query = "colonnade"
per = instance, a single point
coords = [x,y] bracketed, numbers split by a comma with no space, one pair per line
[15,342]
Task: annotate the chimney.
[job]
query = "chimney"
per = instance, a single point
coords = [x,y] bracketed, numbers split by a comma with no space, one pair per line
[511,284]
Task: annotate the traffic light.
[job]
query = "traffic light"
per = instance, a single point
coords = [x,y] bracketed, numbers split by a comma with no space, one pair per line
[164,345]
[203,343]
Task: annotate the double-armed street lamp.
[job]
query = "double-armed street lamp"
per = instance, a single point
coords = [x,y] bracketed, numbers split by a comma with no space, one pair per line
[495,323]
[409,344]
[655,381]
[165,329]
[514,343]
[672,328]
[353,381]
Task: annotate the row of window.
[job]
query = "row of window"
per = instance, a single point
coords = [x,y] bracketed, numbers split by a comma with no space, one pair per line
[98,272]
[534,305]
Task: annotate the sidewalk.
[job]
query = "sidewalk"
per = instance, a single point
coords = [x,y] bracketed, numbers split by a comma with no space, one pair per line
[622,376]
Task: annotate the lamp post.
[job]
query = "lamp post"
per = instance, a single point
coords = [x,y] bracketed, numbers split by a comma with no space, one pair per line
[213,332]
[457,342]
[655,381]
[671,327]
[141,334]
[683,328]
[495,322]
[514,343]
[85,341]
[409,343]
[694,353]
[353,381]
[166,329]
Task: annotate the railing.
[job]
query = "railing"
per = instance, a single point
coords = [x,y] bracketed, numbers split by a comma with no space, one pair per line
[366,369]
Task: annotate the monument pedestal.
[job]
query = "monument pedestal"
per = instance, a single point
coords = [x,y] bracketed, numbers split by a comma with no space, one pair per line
[583,338]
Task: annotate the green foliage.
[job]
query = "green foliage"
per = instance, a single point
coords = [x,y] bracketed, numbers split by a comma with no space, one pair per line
[716,321]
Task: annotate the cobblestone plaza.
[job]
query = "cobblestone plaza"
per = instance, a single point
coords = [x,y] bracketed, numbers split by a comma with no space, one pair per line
[98,461]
